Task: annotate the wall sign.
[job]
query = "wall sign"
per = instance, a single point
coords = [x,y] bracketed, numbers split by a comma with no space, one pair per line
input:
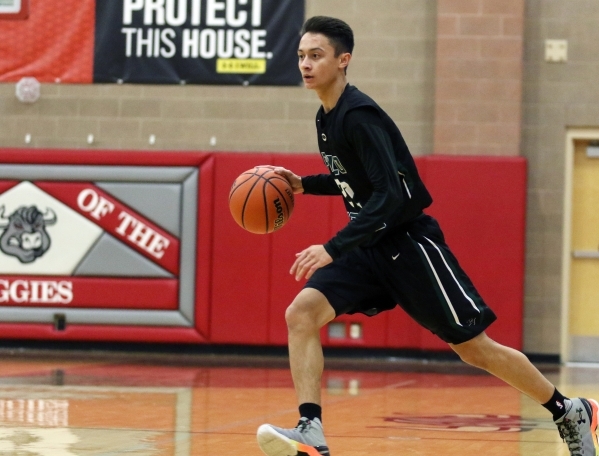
[14,9]
[107,239]
[198,41]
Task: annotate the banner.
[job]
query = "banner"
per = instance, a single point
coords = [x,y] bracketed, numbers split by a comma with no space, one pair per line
[198,41]
[152,41]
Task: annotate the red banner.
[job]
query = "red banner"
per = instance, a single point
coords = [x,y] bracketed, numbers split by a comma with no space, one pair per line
[54,44]
[89,292]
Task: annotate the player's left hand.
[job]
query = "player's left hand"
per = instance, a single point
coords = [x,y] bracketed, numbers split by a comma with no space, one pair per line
[309,260]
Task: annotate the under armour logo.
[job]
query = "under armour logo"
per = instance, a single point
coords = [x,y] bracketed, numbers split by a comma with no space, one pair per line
[559,404]
[580,418]
[471,322]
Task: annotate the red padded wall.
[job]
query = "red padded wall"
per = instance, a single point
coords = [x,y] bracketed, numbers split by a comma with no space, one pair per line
[243,279]
[309,224]
[241,263]
[480,203]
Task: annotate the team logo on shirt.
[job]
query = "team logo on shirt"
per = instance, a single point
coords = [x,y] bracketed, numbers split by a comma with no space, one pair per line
[333,163]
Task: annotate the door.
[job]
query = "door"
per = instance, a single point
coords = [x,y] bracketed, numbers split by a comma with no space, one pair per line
[584,270]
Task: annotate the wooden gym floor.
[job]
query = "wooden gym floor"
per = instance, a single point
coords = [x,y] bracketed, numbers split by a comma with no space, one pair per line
[105,403]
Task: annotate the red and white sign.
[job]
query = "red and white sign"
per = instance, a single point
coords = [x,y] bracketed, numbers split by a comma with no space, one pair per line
[14,9]
[113,243]
[122,222]
[89,292]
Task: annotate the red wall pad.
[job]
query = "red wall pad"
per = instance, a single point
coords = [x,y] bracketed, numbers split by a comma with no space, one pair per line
[105,245]
[241,263]
[480,203]
[240,281]
[309,224]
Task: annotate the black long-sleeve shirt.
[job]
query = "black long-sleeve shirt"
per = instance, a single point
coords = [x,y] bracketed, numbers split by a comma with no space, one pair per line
[370,166]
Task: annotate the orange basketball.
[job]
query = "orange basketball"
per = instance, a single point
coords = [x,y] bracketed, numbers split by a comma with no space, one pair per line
[260,200]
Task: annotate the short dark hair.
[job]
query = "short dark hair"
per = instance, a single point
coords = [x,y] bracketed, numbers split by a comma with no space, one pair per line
[338,32]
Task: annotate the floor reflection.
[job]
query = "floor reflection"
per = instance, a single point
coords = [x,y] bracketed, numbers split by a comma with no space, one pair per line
[113,403]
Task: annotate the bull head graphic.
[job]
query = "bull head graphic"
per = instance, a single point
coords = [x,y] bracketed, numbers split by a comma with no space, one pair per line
[25,235]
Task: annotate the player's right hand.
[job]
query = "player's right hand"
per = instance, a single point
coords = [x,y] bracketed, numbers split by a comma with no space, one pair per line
[309,260]
[294,180]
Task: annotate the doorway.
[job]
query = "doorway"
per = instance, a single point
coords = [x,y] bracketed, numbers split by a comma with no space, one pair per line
[580,291]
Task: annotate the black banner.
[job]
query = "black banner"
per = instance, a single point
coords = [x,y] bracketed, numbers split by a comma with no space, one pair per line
[198,41]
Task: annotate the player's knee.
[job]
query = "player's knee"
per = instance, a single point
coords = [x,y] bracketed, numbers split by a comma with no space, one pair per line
[474,352]
[299,316]
[308,312]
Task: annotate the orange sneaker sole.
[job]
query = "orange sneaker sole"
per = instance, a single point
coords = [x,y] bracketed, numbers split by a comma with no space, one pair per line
[305,449]
[595,407]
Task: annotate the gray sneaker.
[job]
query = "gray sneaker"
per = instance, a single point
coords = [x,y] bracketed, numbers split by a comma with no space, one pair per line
[307,439]
[578,427]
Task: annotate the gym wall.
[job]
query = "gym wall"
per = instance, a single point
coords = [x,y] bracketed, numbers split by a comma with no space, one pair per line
[408,53]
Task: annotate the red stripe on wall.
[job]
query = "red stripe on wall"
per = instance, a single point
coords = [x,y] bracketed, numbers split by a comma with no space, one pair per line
[89,292]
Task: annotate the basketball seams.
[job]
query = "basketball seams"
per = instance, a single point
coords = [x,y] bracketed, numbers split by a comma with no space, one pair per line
[238,182]
[250,175]
[236,185]
[265,202]
[256,209]
[282,194]
[249,193]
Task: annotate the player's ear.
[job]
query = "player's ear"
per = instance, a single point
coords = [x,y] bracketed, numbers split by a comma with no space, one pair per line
[344,60]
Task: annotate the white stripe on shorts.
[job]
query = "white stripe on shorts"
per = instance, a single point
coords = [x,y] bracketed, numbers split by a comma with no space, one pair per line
[454,277]
[453,312]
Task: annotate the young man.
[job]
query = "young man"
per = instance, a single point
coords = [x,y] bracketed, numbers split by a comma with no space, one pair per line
[390,253]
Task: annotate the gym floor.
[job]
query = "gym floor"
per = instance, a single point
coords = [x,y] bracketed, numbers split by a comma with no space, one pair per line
[96,402]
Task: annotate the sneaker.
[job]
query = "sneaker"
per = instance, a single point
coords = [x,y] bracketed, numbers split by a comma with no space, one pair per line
[307,439]
[578,427]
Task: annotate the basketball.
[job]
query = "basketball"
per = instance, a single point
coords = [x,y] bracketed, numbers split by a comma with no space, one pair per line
[261,201]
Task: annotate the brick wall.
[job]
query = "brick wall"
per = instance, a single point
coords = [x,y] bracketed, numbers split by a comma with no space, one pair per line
[393,62]
[555,96]
[478,77]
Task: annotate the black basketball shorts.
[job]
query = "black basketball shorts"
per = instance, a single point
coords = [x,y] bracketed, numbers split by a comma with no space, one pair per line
[411,267]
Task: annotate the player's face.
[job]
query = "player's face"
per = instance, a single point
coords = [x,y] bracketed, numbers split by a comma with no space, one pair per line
[317,61]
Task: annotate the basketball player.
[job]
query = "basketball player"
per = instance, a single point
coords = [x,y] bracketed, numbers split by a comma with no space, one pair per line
[390,253]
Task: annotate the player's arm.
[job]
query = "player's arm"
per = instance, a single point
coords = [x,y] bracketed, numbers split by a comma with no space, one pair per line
[366,132]
[320,184]
[317,184]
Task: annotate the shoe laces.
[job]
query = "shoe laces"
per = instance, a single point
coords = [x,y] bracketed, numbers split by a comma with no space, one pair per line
[568,431]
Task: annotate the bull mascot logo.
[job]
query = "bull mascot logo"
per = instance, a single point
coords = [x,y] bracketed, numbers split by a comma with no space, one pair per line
[25,235]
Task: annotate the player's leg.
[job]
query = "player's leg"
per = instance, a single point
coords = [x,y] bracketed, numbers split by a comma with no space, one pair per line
[510,365]
[346,285]
[457,314]
[576,418]
[308,312]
